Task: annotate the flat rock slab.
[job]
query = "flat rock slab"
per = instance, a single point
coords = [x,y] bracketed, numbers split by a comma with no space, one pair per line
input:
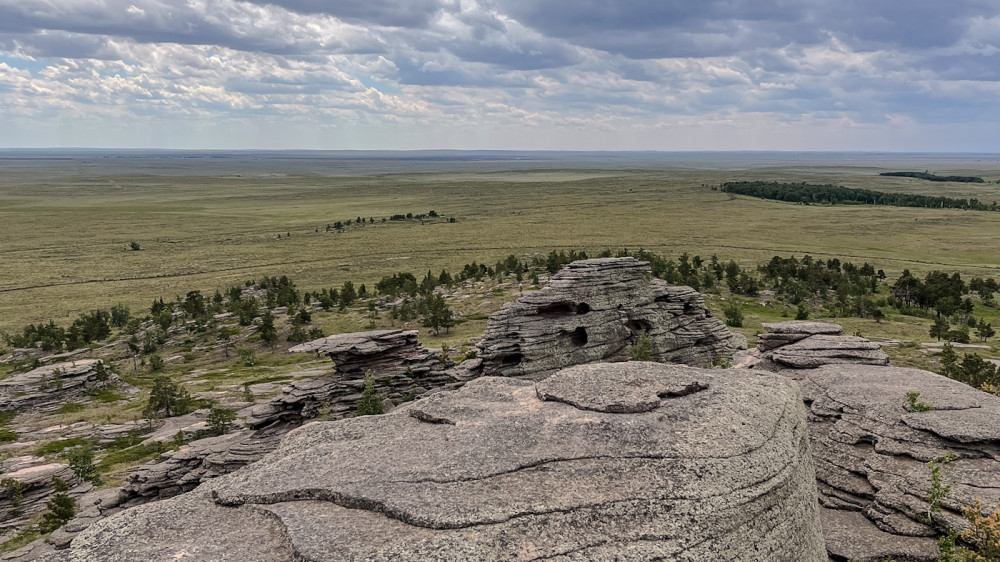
[871,449]
[700,465]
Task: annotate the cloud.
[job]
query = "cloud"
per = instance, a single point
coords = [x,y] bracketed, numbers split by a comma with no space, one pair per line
[395,68]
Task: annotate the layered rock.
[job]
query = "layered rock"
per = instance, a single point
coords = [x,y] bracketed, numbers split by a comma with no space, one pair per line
[871,450]
[598,462]
[26,485]
[404,369]
[593,310]
[807,345]
[183,470]
[47,388]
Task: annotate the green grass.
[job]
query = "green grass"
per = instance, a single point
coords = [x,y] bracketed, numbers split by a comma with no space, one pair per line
[70,408]
[205,232]
[59,446]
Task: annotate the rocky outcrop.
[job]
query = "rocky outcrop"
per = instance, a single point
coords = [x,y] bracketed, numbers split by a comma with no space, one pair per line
[871,450]
[404,369]
[807,345]
[26,484]
[593,310]
[47,388]
[598,462]
[183,470]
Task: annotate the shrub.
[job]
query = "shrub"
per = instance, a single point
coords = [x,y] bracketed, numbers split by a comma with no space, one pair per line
[370,402]
[155,362]
[169,397]
[248,356]
[81,461]
[61,508]
[911,399]
[733,314]
[642,350]
[219,419]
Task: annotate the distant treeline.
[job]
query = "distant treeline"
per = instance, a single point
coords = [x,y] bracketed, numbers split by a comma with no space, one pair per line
[809,194]
[932,177]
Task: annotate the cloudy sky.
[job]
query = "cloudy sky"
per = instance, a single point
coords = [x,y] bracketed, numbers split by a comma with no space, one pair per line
[897,75]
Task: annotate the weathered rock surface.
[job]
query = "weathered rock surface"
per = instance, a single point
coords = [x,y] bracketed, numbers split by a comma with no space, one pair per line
[404,369]
[807,345]
[699,465]
[593,310]
[47,388]
[27,484]
[871,452]
[182,470]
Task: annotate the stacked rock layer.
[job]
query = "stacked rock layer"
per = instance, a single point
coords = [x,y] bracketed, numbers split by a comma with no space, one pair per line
[628,461]
[593,310]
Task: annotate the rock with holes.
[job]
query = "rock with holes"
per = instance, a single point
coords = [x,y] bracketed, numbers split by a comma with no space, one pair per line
[807,345]
[593,310]
[623,461]
[871,449]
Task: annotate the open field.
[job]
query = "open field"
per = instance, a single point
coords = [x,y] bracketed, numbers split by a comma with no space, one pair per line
[207,223]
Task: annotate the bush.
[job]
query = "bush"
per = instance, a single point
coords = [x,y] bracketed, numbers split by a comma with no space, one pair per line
[370,402]
[248,356]
[733,314]
[61,508]
[169,397]
[81,461]
[219,419]
[642,350]
[155,362]
[70,408]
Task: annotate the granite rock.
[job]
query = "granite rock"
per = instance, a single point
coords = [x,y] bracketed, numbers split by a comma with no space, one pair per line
[871,451]
[807,345]
[592,311]
[625,461]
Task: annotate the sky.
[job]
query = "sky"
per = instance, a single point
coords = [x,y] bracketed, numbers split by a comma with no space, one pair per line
[865,75]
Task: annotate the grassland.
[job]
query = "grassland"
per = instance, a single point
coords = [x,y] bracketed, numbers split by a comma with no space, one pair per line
[65,227]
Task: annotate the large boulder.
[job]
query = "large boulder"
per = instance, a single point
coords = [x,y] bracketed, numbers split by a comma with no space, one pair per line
[626,461]
[806,345]
[46,388]
[871,450]
[593,310]
[403,368]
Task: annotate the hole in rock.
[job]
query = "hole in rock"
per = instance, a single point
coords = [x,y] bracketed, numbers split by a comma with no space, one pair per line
[512,359]
[582,308]
[557,309]
[578,337]
[639,326]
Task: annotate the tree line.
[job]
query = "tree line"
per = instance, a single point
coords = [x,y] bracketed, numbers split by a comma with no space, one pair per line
[933,177]
[826,194]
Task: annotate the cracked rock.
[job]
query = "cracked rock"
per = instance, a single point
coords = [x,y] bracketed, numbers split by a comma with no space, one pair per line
[505,469]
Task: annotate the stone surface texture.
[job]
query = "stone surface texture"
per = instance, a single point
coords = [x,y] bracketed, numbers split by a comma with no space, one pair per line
[806,345]
[623,461]
[47,388]
[403,368]
[593,310]
[34,477]
[871,448]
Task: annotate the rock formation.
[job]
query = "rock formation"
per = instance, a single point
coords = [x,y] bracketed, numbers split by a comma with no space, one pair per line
[47,388]
[182,470]
[26,484]
[806,345]
[593,310]
[403,368]
[871,450]
[608,461]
